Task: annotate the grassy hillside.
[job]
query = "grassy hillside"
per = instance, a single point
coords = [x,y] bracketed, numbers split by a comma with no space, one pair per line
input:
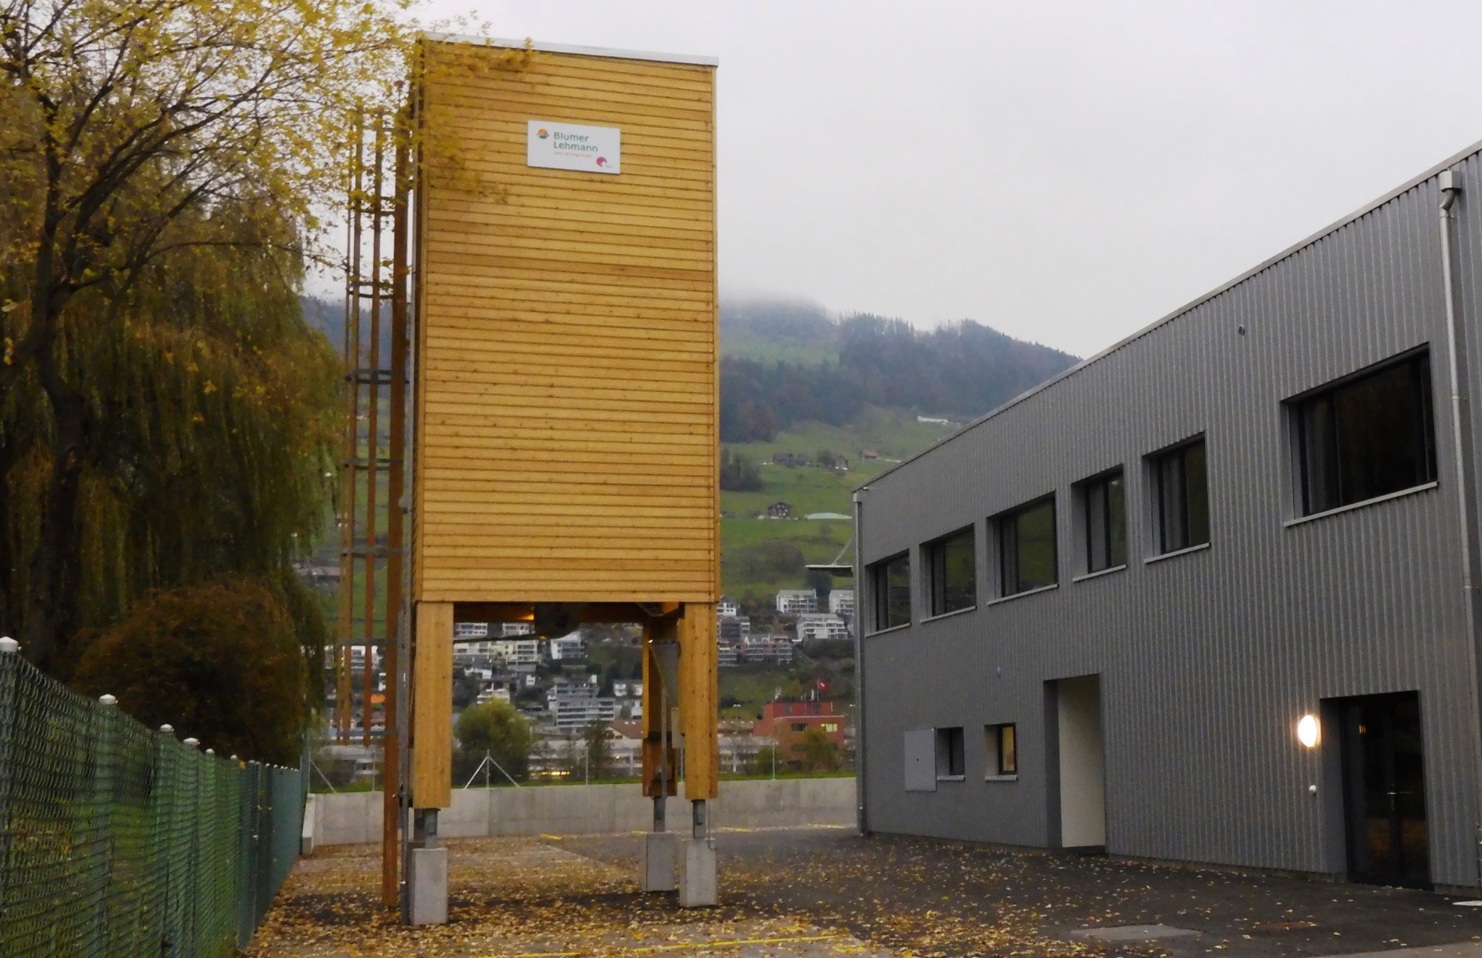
[760,556]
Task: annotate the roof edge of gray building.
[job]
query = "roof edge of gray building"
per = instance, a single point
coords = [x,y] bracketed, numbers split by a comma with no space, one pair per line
[1473,150]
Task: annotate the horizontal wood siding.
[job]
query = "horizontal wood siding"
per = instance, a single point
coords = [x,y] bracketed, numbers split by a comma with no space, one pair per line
[566,335]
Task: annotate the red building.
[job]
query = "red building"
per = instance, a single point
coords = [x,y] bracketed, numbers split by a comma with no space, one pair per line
[786,724]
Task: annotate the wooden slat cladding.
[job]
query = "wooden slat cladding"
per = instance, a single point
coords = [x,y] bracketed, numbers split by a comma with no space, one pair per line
[566,331]
[432,739]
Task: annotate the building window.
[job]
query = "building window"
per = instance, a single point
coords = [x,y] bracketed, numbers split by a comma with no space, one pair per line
[1181,490]
[1104,513]
[890,583]
[1367,437]
[951,569]
[951,762]
[1003,753]
[1026,548]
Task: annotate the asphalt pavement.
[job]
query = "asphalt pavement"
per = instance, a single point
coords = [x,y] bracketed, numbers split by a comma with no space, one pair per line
[828,892]
[892,891]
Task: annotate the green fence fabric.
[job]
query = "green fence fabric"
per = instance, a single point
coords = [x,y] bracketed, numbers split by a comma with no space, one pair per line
[118,840]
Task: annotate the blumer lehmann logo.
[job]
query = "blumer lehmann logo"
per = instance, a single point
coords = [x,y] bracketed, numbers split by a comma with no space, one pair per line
[556,145]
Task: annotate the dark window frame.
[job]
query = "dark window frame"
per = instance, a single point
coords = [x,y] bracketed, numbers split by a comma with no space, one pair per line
[951,747]
[1004,743]
[1102,512]
[881,596]
[1329,474]
[942,599]
[1181,520]
[1011,572]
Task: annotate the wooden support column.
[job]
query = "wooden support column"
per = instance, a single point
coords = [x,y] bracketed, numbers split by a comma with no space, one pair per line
[653,713]
[697,701]
[432,706]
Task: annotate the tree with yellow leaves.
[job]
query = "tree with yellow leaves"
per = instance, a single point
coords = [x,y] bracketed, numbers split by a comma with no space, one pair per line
[165,415]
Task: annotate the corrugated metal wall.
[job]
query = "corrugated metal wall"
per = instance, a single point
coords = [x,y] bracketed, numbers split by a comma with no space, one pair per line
[1207,659]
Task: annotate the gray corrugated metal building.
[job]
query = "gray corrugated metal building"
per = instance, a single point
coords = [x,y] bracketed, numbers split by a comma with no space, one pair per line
[1097,616]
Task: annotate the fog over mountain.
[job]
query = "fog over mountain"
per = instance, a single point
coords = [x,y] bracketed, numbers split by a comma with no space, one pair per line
[786,362]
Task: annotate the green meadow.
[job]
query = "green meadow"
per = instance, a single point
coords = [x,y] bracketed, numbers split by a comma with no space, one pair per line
[761,555]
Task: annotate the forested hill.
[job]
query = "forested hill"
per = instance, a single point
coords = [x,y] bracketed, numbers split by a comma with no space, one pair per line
[961,370]
[783,363]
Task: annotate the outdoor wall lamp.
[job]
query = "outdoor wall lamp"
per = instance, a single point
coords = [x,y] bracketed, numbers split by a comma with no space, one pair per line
[1309,733]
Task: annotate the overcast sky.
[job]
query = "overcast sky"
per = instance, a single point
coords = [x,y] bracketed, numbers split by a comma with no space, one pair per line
[1067,172]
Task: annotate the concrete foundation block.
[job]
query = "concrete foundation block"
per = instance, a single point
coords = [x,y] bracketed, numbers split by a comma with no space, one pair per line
[427,886]
[306,835]
[697,873]
[659,849]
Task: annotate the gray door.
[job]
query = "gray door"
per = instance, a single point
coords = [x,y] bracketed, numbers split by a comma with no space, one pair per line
[1081,783]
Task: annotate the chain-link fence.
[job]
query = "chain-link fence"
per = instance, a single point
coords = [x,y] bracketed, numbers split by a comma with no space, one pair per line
[119,840]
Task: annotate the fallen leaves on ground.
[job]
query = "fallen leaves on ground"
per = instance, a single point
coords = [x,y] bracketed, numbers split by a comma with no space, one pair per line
[525,897]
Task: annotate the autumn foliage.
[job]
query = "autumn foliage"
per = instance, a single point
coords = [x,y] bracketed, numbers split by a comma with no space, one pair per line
[166,416]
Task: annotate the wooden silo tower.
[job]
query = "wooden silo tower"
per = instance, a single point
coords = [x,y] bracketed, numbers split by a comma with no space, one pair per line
[563,426]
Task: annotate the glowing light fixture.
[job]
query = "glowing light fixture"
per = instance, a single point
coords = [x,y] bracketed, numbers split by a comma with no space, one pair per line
[1309,733]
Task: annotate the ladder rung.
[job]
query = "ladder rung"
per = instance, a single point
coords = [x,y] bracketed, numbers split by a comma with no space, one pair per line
[379,552]
[365,374]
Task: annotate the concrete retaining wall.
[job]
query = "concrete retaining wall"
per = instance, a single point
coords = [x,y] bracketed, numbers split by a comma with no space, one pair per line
[355,818]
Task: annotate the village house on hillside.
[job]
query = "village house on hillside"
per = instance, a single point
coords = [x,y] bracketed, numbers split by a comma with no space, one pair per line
[796,601]
[813,626]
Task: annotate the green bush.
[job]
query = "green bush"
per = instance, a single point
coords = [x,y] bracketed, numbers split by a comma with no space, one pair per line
[221,662]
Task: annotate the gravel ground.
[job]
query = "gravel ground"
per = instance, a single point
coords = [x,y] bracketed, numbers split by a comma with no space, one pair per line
[819,892]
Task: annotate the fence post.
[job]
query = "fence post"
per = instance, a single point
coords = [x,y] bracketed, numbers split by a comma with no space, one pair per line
[168,793]
[266,860]
[259,843]
[246,859]
[104,769]
[196,816]
[10,665]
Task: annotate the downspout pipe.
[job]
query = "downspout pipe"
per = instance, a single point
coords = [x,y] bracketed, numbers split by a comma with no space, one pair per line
[862,602]
[1461,440]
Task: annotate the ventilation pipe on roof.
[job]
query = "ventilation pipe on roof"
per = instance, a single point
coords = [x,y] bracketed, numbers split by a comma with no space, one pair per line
[1461,434]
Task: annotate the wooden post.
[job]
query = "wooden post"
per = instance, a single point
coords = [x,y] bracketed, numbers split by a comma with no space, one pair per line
[432,706]
[653,713]
[697,701]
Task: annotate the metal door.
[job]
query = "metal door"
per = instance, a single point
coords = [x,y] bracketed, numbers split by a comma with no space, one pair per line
[1384,790]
